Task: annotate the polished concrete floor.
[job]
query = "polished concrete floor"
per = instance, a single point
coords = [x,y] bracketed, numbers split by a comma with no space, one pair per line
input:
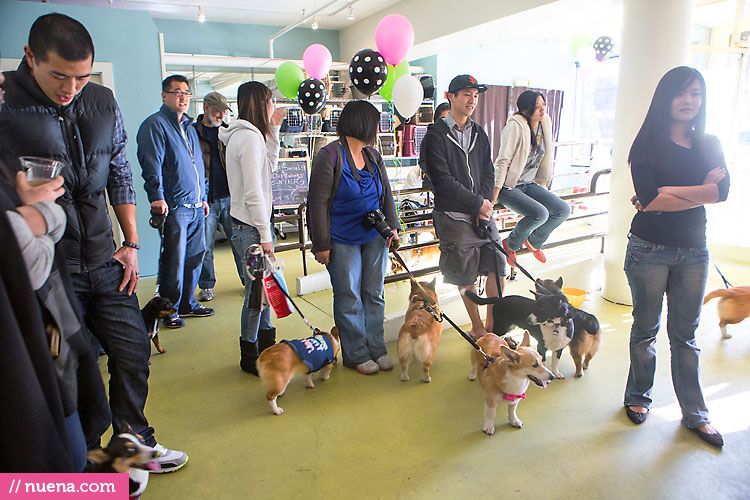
[375,437]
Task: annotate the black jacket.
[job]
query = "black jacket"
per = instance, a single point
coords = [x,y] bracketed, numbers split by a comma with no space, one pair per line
[460,182]
[325,176]
[79,134]
[208,154]
[39,391]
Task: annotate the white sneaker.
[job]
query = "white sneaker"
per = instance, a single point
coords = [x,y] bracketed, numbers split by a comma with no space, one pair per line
[169,460]
[384,362]
[206,294]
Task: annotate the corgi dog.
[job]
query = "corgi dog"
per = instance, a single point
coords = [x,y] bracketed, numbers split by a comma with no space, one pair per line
[155,309]
[587,333]
[280,362]
[417,257]
[126,452]
[733,307]
[507,376]
[420,333]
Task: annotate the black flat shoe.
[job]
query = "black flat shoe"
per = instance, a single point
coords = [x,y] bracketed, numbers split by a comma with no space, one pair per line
[712,439]
[635,417]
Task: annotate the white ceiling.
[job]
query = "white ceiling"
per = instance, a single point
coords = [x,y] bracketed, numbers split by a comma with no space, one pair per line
[272,13]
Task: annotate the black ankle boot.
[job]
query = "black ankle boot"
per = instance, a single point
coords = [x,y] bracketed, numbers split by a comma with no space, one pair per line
[248,356]
[266,338]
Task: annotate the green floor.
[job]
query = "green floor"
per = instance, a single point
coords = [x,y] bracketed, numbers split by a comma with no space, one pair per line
[369,437]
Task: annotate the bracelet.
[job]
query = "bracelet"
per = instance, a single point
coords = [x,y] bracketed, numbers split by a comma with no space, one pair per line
[130,244]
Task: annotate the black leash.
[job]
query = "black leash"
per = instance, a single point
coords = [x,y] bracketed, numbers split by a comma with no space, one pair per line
[429,300]
[727,284]
[275,280]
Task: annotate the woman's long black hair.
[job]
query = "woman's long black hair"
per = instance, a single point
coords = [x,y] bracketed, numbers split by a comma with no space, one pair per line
[252,105]
[526,105]
[650,145]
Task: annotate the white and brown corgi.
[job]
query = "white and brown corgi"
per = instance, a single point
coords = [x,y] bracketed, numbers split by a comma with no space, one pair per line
[506,376]
[420,333]
[280,362]
[733,307]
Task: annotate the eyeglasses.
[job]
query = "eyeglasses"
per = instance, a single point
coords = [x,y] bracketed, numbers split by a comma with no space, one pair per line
[179,93]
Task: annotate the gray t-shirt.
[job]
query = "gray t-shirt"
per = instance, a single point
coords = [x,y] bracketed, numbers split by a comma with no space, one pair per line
[535,158]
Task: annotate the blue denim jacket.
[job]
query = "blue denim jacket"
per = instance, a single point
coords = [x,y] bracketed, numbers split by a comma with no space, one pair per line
[172,168]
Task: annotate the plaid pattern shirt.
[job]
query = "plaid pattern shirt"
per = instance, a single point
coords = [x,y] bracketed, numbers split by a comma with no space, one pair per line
[120,181]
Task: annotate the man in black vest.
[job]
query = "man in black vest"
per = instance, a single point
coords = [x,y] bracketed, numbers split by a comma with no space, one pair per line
[52,111]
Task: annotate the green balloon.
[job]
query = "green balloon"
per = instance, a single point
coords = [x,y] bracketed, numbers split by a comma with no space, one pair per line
[289,76]
[394,73]
[580,40]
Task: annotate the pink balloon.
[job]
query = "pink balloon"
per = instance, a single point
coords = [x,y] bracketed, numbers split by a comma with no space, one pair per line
[317,59]
[394,37]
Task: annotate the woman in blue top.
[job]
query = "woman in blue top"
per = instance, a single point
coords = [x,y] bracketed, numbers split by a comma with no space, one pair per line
[677,168]
[348,180]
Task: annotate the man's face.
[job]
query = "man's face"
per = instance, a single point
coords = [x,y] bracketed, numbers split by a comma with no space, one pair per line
[178,97]
[60,80]
[464,101]
[212,115]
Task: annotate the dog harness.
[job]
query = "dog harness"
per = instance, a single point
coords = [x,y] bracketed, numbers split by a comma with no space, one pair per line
[315,352]
[434,310]
[514,397]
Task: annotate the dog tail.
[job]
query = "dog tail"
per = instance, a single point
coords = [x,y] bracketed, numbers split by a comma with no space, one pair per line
[721,292]
[481,300]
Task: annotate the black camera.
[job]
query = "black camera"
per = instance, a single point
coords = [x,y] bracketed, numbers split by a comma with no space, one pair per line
[157,220]
[376,219]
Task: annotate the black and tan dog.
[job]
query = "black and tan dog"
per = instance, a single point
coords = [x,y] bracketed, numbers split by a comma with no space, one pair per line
[126,452]
[587,331]
[155,309]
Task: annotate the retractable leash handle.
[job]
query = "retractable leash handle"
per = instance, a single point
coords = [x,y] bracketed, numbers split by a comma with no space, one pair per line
[273,276]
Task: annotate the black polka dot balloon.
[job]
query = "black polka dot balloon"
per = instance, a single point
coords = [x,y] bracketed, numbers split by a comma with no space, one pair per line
[312,95]
[603,46]
[367,71]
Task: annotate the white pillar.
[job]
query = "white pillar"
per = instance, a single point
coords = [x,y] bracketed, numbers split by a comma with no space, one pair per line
[655,38]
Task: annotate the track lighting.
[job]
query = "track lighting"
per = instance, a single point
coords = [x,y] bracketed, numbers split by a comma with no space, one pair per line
[201,15]
[314,24]
[351,13]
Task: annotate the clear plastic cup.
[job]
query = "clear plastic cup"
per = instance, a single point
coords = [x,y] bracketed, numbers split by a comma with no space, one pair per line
[40,170]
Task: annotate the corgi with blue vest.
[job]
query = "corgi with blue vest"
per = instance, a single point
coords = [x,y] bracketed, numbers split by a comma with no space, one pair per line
[278,364]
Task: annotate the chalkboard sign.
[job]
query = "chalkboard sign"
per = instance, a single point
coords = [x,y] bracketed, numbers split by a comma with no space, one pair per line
[289,182]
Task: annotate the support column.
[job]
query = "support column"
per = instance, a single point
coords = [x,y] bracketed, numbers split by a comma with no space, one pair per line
[655,39]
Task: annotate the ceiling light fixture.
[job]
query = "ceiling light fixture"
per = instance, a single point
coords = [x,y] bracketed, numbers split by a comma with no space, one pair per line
[351,13]
[314,24]
[201,15]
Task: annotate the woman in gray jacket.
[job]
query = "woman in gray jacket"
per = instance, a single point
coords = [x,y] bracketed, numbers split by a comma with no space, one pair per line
[348,183]
[523,169]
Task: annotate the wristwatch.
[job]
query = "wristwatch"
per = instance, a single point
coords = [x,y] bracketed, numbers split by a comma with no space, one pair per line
[130,244]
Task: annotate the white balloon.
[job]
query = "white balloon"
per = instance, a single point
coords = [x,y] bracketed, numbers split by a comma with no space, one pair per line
[407,95]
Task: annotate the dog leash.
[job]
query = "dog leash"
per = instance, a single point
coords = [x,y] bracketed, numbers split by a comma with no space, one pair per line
[727,284]
[275,280]
[429,300]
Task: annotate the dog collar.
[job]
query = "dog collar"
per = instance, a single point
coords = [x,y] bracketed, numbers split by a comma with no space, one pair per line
[432,310]
[514,397]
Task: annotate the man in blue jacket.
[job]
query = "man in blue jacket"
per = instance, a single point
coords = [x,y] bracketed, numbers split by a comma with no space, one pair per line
[176,185]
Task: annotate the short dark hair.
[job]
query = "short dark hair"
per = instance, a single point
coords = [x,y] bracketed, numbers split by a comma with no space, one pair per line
[62,34]
[166,85]
[651,144]
[442,108]
[359,119]
[252,105]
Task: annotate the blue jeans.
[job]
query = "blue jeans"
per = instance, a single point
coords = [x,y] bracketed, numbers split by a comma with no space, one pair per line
[183,246]
[114,318]
[357,273]
[218,213]
[77,441]
[251,320]
[652,271]
[542,213]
